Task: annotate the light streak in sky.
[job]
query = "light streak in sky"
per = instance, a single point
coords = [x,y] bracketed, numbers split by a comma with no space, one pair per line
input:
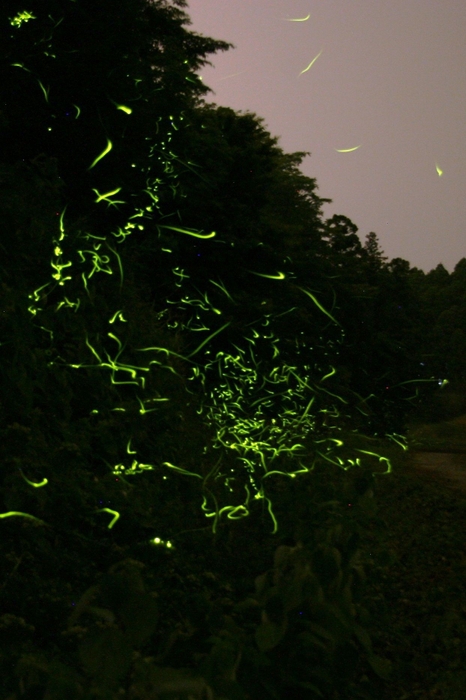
[302,19]
[347,150]
[311,63]
[232,75]
[438,169]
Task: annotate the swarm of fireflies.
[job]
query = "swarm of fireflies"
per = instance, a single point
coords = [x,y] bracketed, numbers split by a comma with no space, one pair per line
[268,416]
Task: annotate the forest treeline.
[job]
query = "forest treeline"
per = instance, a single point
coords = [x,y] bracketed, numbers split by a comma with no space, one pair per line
[179,322]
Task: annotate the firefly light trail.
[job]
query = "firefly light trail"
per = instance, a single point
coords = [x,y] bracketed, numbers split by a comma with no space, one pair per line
[311,63]
[347,150]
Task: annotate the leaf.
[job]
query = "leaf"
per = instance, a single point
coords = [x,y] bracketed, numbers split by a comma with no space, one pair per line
[139,614]
[106,656]
[363,638]
[314,688]
[268,635]
[382,667]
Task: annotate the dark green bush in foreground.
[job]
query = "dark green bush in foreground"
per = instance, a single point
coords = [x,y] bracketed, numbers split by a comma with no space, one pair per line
[230,616]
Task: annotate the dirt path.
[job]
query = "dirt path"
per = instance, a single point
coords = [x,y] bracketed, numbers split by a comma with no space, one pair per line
[447,468]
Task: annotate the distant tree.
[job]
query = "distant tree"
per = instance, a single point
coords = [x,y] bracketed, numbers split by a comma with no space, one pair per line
[373,256]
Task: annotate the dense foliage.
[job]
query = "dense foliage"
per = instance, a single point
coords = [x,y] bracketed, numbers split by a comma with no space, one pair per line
[185,342]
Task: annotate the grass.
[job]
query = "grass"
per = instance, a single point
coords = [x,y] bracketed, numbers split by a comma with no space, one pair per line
[447,435]
[416,588]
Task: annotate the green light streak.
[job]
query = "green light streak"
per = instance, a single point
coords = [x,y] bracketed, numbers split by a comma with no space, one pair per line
[319,305]
[78,111]
[181,470]
[212,335]
[129,450]
[399,439]
[195,234]
[112,512]
[379,457]
[439,170]
[106,197]
[117,315]
[106,150]
[123,108]
[16,513]
[45,91]
[222,288]
[21,17]
[32,483]
[21,65]
[347,150]
[278,276]
[330,374]
[302,19]
[311,63]
[120,266]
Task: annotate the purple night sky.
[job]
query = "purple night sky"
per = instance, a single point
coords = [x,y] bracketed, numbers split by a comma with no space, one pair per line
[391,79]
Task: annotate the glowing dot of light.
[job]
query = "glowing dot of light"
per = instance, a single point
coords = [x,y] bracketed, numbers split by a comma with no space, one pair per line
[439,171]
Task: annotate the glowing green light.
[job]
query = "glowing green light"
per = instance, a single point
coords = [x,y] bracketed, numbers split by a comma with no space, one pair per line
[112,512]
[32,483]
[212,335]
[196,234]
[117,315]
[21,65]
[278,276]
[319,305]
[302,19]
[311,63]
[347,150]
[182,471]
[16,513]
[129,450]
[439,170]
[124,108]
[46,93]
[106,197]
[21,17]
[161,543]
[106,150]
[379,457]
[399,439]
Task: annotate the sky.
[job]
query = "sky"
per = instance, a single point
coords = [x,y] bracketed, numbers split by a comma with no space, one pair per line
[389,77]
